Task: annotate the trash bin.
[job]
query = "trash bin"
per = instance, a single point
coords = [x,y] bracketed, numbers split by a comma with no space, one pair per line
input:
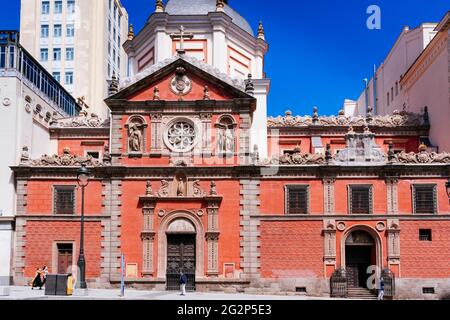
[56,285]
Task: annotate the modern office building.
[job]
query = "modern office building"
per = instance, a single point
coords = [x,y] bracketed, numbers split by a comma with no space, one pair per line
[79,42]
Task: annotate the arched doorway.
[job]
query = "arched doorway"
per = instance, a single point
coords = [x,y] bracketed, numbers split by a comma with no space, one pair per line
[360,254]
[181,253]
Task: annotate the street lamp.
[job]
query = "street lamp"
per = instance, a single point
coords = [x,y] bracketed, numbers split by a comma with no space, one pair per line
[83,180]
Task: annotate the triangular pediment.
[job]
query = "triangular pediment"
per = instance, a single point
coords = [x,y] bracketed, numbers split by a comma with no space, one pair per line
[181,78]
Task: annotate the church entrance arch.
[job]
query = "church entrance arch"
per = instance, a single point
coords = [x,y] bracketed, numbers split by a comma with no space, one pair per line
[180,249]
[361,251]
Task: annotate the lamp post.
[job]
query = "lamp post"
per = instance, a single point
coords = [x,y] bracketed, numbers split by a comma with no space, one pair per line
[83,180]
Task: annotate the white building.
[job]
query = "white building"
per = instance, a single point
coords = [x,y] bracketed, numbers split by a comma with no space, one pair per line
[408,46]
[79,42]
[29,100]
[215,29]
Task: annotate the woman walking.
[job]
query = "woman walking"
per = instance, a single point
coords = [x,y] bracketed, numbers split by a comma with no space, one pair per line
[37,282]
[44,275]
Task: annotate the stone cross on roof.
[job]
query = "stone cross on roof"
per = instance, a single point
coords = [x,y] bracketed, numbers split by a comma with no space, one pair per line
[182,36]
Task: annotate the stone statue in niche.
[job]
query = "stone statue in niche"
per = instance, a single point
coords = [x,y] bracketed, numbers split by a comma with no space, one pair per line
[225,140]
[135,137]
[229,140]
[180,187]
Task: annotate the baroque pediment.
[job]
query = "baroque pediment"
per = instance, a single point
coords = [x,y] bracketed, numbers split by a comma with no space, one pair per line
[180,78]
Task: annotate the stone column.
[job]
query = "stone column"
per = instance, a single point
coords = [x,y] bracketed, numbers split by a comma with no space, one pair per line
[148,237]
[244,139]
[156,134]
[328,195]
[212,237]
[392,195]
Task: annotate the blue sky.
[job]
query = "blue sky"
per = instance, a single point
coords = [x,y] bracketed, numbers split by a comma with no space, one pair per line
[320,51]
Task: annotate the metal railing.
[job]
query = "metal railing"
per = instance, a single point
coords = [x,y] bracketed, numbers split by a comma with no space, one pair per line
[338,284]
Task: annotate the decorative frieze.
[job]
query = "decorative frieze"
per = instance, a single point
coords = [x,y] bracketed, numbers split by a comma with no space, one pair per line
[422,157]
[82,121]
[389,121]
[65,160]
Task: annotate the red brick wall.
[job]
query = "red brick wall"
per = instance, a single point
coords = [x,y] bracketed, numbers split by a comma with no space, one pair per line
[76,147]
[40,197]
[379,195]
[425,258]
[41,236]
[272,196]
[405,195]
[291,249]
[132,221]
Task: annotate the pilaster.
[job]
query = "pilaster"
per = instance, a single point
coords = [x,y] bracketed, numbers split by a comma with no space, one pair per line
[392,195]
[250,246]
[328,195]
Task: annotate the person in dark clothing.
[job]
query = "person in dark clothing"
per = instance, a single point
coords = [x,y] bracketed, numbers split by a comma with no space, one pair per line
[183,282]
[381,290]
[37,282]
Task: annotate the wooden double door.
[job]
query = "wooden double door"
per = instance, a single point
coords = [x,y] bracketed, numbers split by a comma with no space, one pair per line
[180,257]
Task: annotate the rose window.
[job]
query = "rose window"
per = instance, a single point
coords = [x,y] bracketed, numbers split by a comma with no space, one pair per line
[181,136]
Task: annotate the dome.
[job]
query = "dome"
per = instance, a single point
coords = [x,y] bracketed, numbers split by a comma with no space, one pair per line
[203,7]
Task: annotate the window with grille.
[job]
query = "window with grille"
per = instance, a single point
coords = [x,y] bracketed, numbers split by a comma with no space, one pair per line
[360,199]
[64,200]
[424,199]
[297,199]
[425,234]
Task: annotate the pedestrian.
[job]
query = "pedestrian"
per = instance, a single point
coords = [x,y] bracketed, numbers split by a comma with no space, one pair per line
[44,275]
[183,282]
[381,290]
[37,282]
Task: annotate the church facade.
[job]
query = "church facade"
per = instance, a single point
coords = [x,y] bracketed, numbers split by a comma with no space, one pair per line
[190,174]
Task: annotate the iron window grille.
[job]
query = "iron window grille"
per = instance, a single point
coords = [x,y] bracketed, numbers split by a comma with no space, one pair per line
[64,200]
[360,199]
[425,235]
[424,198]
[297,199]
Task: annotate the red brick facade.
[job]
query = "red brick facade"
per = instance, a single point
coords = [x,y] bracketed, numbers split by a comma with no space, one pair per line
[139,198]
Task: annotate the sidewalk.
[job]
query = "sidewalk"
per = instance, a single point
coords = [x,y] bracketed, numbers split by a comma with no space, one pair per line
[25,293]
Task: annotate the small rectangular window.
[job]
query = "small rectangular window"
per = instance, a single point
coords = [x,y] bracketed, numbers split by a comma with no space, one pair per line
[424,199]
[93,154]
[64,200]
[360,199]
[428,290]
[70,6]
[425,234]
[70,31]
[44,54]
[57,31]
[57,76]
[45,7]
[44,31]
[69,78]
[58,7]
[70,54]
[57,54]
[297,199]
